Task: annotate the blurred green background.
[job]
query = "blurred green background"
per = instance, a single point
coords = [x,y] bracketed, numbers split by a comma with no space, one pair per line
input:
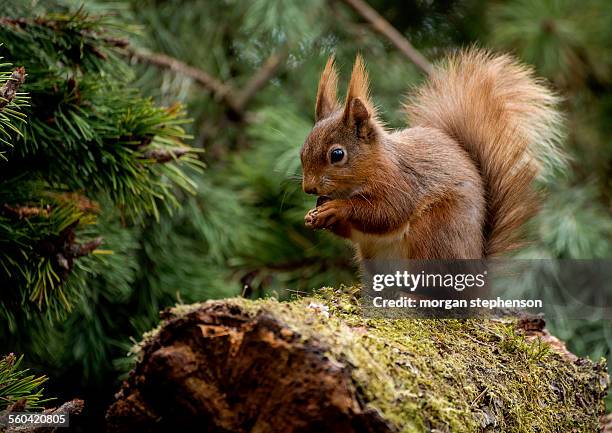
[244,226]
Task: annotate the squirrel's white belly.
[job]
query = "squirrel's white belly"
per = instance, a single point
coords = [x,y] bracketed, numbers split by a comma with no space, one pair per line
[390,246]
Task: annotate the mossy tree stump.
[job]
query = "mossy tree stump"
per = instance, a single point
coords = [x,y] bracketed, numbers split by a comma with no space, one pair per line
[316,365]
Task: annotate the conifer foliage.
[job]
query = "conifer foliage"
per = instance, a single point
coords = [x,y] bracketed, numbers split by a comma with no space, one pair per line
[84,136]
[84,156]
[17,386]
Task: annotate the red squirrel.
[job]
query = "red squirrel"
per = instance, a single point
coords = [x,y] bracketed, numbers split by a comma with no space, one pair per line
[456,184]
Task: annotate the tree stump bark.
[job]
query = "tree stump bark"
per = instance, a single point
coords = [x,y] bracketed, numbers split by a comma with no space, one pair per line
[316,365]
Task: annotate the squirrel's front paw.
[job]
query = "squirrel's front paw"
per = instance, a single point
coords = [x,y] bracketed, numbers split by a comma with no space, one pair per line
[311,218]
[325,215]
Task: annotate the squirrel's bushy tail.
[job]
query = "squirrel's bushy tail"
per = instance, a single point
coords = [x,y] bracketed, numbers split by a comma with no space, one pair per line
[507,121]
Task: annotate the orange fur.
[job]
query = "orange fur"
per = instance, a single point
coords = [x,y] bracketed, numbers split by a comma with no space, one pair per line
[327,101]
[457,184]
[359,87]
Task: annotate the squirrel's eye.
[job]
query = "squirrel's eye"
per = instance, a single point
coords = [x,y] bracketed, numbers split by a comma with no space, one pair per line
[336,155]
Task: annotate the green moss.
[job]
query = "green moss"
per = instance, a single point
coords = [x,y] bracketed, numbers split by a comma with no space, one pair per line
[450,375]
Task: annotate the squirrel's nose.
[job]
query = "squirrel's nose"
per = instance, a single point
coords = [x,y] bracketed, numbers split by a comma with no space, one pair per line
[309,188]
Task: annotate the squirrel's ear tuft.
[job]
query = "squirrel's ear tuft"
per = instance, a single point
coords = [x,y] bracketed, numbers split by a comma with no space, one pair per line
[358,109]
[327,101]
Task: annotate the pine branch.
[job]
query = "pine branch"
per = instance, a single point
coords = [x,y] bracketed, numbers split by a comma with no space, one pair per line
[9,90]
[236,101]
[81,202]
[80,250]
[57,25]
[385,28]
[24,212]
[218,89]
[162,156]
[268,70]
